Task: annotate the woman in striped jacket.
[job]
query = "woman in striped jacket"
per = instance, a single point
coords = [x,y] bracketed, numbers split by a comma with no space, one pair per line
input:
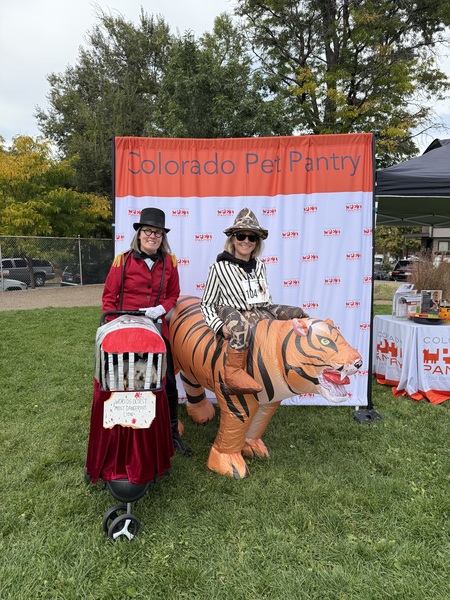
[237,296]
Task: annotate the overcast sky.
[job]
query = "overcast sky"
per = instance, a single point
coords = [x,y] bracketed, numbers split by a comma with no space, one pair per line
[39,37]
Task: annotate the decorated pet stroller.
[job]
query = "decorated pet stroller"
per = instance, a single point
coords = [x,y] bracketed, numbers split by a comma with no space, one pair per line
[130,442]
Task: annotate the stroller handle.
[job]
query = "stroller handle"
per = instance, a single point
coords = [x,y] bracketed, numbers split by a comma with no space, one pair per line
[134,313]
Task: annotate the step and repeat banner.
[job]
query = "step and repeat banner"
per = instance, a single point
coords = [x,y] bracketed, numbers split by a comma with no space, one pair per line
[314,194]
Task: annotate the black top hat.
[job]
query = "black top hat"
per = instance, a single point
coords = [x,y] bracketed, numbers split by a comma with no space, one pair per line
[152,216]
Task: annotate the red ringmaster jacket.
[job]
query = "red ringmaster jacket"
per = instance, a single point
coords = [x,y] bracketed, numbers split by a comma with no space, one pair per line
[142,284]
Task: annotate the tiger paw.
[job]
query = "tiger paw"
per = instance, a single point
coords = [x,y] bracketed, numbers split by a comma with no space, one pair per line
[227,463]
[255,449]
[201,412]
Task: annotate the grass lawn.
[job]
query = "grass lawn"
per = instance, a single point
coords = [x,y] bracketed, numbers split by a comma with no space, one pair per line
[341,510]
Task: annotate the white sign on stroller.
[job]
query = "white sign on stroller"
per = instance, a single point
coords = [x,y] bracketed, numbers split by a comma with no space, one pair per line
[129,409]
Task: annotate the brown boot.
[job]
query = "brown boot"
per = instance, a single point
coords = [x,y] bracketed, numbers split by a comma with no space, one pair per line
[236,378]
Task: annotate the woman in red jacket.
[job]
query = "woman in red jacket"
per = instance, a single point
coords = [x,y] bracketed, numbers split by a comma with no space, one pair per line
[146,276]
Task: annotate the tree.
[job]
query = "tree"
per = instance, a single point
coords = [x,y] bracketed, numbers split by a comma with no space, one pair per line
[111,91]
[142,81]
[395,241]
[36,197]
[353,65]
[211,88]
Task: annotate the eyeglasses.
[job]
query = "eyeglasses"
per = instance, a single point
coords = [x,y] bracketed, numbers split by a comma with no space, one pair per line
[249,236]
[148,232]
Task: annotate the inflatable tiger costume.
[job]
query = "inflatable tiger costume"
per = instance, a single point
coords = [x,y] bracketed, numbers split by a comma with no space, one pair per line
[286,357]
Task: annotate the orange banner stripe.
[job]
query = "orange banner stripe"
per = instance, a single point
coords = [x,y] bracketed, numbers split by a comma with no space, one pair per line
[183,168]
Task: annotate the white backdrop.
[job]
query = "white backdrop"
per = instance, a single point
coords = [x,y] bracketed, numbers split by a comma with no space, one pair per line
[319,250]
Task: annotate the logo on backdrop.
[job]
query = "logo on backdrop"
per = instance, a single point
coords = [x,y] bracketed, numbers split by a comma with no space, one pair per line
[289,235]
[332,281]
[134,212]
[119,237]
[367,231]
[353,207]
[225,212]
[332,232]
[270,260]
[353,256]
[203,237]
[269,212]
[310,306]
[289,283]
[183,262]
[350,304]
[180,212]
[310,258]
[309,210]
[200,286]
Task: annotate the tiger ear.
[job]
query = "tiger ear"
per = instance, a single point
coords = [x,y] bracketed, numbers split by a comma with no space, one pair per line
[300,327]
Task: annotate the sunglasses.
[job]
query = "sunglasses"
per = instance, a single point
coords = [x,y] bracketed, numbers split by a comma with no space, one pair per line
[249,236]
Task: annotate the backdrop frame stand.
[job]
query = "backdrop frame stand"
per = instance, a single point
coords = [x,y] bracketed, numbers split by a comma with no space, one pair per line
[369,415]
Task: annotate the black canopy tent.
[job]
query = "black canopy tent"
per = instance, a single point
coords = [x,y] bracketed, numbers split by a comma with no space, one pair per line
[417,191]
[413,193]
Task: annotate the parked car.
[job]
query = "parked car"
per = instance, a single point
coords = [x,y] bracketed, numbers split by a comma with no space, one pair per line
[91,272]
[378,260]
[17,268]
[380,273]
[9,285]
[402,269]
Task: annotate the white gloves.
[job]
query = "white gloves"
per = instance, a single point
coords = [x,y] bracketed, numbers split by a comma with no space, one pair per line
[154,312]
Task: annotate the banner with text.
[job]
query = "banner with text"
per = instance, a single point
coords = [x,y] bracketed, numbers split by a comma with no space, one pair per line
[313,193]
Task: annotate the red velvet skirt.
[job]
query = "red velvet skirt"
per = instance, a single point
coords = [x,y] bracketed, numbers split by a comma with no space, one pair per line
[139,455]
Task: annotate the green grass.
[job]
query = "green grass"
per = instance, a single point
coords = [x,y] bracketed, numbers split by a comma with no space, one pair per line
[341,510]
[384,290]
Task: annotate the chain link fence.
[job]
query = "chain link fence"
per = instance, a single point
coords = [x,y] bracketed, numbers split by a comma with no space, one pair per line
[39,261]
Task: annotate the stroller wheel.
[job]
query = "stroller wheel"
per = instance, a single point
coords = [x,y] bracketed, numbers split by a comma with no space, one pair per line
[127,525]
[112,514]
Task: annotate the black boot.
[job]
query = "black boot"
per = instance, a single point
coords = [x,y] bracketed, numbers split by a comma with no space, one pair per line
[172,396]
[173,411]
[176,438]
[178,443]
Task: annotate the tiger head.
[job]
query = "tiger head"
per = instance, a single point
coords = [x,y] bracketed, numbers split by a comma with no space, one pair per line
[317,359]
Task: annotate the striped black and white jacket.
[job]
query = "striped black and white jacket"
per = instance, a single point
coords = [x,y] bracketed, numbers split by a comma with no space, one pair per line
[227,281]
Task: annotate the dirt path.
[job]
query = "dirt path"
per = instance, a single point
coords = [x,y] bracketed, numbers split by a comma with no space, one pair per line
[52,295]
[65,296]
